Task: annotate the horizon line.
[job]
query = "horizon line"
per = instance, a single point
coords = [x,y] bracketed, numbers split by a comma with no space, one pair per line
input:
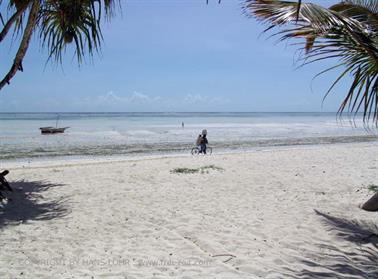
[154,112]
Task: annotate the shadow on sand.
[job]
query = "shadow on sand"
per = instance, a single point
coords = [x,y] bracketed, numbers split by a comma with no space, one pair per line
[354,254]
[27,203]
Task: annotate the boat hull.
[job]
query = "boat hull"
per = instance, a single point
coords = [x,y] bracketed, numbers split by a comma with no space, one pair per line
[52,130]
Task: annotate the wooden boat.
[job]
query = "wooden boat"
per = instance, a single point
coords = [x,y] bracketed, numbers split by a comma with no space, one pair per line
[52,130]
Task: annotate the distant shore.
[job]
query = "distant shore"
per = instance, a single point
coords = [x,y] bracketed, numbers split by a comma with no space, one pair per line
[278,212]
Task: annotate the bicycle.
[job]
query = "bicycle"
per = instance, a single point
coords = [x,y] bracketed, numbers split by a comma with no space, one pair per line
[196,150]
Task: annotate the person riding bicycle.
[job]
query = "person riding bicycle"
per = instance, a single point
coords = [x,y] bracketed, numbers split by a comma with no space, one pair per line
[202,139]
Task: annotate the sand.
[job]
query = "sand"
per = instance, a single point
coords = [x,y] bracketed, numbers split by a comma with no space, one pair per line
[278,213]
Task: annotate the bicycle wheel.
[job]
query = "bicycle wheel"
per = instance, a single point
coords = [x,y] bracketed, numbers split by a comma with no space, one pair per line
[209,150]
[195,151]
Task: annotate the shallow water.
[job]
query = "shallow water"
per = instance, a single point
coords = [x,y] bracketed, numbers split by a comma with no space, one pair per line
[103,134]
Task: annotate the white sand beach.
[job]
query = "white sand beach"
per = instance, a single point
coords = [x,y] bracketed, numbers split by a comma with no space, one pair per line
[278,213]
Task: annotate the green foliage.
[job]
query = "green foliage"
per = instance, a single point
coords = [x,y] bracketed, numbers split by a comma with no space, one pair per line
[373,187]
[202,170]
[185,170]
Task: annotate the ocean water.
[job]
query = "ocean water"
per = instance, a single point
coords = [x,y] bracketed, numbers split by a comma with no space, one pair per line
[105,134]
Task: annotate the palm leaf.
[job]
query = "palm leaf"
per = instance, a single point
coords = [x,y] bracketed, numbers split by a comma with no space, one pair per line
[347,31]
[60,23]
[73,21]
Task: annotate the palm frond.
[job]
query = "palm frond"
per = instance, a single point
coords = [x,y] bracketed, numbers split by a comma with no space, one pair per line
[367,4]
[78,22]
[346,31]
[14,20]
[1,18]
[364,11]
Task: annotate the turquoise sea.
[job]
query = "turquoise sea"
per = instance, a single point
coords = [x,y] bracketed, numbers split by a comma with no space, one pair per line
[125,134]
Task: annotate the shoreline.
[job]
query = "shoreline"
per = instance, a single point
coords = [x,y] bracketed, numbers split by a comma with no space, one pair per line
[163,148]
[57,161]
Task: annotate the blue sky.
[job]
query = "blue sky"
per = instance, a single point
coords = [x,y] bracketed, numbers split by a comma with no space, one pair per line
[169,55]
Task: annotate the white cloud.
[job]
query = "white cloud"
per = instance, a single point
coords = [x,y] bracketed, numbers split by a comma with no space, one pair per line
[138,97]
[194,99]
[109,97]
[200,99]
[141,101]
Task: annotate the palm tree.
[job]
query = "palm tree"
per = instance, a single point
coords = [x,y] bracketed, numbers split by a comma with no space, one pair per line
[57,23]
[347,31]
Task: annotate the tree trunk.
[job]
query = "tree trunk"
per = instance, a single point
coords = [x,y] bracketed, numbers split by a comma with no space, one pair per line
[371,204]
[17,62]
